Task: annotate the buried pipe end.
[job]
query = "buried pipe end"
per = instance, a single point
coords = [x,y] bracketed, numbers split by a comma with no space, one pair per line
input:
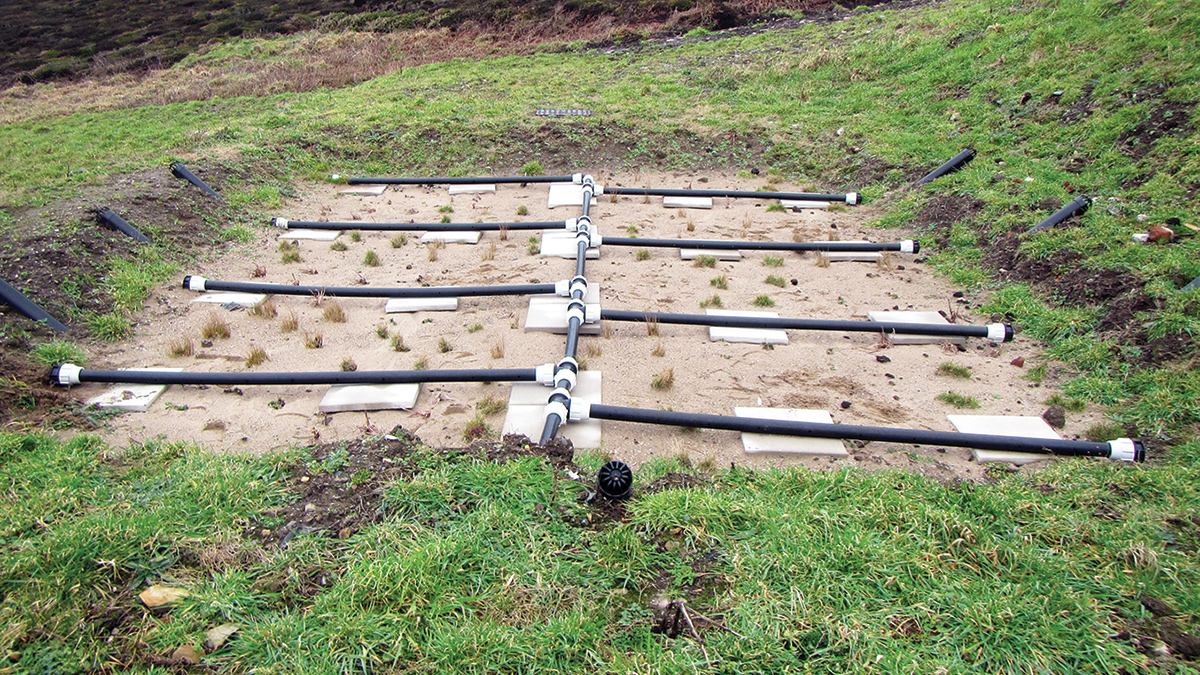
[280,222]
[909,246]
[1127,450]
[1000,332]
[615,480]
[853,198]
[195,282]
[65,374]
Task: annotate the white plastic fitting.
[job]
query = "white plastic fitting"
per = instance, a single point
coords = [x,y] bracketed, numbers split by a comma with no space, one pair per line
[852,198]
[562,288]
[68,374]
[580,410]
[544,374]
[577,178]
[571,224]
[578,284]
[599,190]
[595,240]
[576,310]
[1122,449]
[997,332]
[556,408]
[280,222]
[591,313]
[196,283]
[907,246]
[565,374]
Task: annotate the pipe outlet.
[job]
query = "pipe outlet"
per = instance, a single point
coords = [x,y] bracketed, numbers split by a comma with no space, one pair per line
[195,282]
[852,198]
[1127,450]
[67,374]
[280,222]
[544,374]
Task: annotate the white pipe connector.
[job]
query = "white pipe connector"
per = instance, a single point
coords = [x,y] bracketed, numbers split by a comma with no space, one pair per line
[591,313]
[851,198]
[576,310]
[280,222]
[997,332]
[197,283]
[562,288]
[571,224]
[556,408]
[565,375]
[577,178]
[599,190]
[68,374]
[580,410]
[908,246]
[1123,449]
[544,374]
[579,284]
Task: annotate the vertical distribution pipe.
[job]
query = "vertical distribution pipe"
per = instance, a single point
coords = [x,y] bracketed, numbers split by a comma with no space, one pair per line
[1077,207]
[26,306]
[182,171]
[954,164]
[109,216]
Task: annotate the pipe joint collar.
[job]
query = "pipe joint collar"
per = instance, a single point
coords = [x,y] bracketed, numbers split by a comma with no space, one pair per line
[999,332]
[557,409]
[578,313]
[280,222]
[570,224]
[587,179]
[583,222]
[568,362]
[68,374]
[595,240]
[585,237]
[591,313]
[544,374]
[580,410]
[908,246]
[1126,450]
[852,198]
[599,190]
[579,284]
[561,396]
[562,288]
[577,178]
[565,379]
[196,283]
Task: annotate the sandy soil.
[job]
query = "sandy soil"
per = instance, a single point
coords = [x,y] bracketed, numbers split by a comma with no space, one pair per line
[832,371]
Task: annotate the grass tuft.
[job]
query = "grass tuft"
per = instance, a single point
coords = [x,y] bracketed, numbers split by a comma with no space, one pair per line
[256,357]
[953,370]
[775,280]
[398,343]
[215,327]
[334,312]
[721,282]
[399,240]
[180,347]
[772,261]
[712,301]
[57,352]
[267,309]
[705,261]
[371,259]
[663,380]
[313,340]
[763,300]
[958,400]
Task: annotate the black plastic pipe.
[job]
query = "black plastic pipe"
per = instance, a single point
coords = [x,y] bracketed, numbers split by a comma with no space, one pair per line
[954,164]
[849,198]
[446,180]
[195,283]
[417,227]
[68,374]
[182,171]
[109,216]
[24,305]
[721,244]
[997,332]
[1077,207]
[1126,449]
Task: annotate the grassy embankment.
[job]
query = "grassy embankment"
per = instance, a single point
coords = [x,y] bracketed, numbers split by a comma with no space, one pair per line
[816,572]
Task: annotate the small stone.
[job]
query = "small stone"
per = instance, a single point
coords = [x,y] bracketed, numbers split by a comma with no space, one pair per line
[889,376]
[216,637]
[957,294]
[755,171]
[157,596]
[187,654]
[1055,416]
[795,282]
[882,359]
[845,405]
[1018,362]
[304,479]
[206,343]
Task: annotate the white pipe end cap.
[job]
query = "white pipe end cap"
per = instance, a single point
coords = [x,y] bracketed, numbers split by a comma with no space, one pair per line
[68,374]
[1123,449]
[997,332]
[280,222]
[595,241]
[591,313]
[907,246]
[563,288]
[197,283]
[571,224]
[544,374]
[852,198]
[580,410]
[577,178]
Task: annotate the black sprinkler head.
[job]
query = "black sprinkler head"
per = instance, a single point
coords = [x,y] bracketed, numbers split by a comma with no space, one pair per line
[615,480]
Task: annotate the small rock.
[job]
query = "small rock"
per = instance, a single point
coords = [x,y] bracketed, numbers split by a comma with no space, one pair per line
[187,654]
[206,343]
[1161,234]
[1018,362]
[889,376]
[882,359]
[845,405]
[216,637]
[157,596]
[1055,416]
[755,171]
[957,294]
[795,282]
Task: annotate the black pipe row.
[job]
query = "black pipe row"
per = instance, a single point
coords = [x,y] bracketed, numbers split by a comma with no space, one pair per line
[196,283]
[997,332]
[447,180]
[849,198]
[68,374]
[1122,449]
[1077,207]
[726,245]
[25,306]
[415,227]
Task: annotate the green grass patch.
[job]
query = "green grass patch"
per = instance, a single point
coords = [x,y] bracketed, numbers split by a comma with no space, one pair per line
[954,370]
[58,351]
[763,300]
[772,261]
[958,400]
[775,280]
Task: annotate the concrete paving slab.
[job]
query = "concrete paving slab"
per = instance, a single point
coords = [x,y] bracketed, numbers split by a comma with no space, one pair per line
[452,237]
[408,305]
[475,189]
[561,244]
[758,336]
[687,202]
[548,314]
[789,445]
[798,204]
[693,253]
[566,194]
[358,397]
[1005,425]
[915,317]
[246,300]
[132,397]
[527,411]
[364,190]
[310,235]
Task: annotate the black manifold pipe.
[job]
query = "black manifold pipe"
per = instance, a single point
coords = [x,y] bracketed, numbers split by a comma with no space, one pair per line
[195,283]
[1124,449]
[1077,207]
[446,180]
[109,216]
[416,227]
[849,197]
[997,332]
[721,244]
[27,307]
[953,164]
[68,374]
[182,171]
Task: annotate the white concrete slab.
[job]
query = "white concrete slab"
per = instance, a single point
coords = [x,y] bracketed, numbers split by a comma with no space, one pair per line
[566,194]
[693,253]
[1005,425]
[475,189]
[244,299]
[852,256]
[364,190]
[527,411]
[407,305]
[548,314]
[758,336]
[132,397]
[789,445]
[798,204]
[310,235]
[561,244]
[687,202]
[915,317]
[452,237]
[356,397]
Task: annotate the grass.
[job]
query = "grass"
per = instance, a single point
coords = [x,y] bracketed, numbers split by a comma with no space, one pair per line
[290,257]
[958,400]
[422,363]
[333,312]
[1068,403]
[356,236]
[215,327]
[497,350]
[313,340]
[954,370]
[475,327]
[444,345]
[256,357]
[181,347]
[348,365]
[705,261]
[290,322]
[763,300]
[371,259]
[663,380]
[490,405]
[712,301]
[57,352]
[642,254]
[399,240]
[522,210]
[338,246]
[775,280]
[721,282]
[381,331]
[267,309]
[398,343]
[534,246]
[772,261]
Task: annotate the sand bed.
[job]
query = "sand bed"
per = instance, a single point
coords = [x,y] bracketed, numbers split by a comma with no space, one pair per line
[836,372]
